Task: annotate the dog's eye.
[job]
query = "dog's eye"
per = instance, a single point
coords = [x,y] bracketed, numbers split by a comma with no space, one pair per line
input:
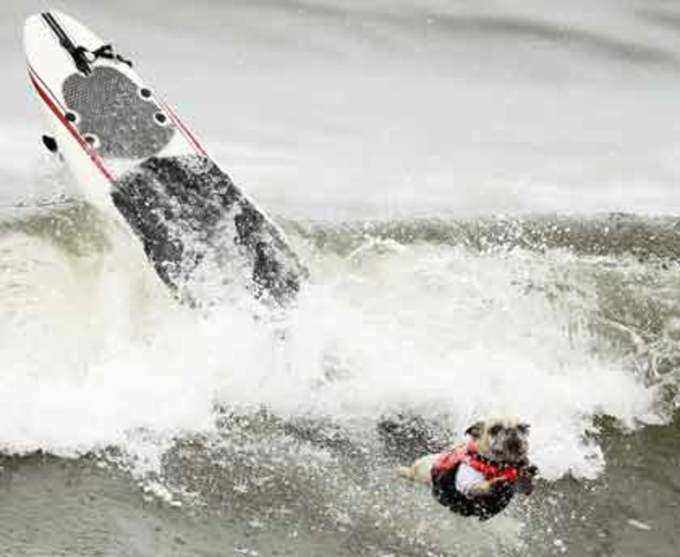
[495,430]
[523,428]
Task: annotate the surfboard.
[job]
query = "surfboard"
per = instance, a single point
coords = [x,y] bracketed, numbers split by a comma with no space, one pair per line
[134,157]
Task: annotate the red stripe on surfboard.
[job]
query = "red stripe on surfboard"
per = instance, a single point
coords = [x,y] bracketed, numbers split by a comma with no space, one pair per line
[185,131]
[46,87]
[70,127]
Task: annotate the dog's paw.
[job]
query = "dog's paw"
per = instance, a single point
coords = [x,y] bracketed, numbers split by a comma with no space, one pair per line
[529,471]
[525,481]
[406,472]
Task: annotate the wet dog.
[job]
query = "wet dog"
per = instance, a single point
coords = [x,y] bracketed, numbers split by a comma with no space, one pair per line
[479,477]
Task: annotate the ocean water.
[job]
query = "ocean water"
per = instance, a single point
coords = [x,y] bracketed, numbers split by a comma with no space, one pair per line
[485,195]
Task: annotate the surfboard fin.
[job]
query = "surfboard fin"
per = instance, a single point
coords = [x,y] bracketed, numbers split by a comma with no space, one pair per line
[50,143]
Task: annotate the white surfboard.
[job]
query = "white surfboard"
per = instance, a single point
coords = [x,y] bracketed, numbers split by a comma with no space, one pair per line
[132,156]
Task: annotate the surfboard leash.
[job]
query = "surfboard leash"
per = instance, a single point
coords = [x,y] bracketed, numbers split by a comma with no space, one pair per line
[106,51]
[82,57]
[78,56]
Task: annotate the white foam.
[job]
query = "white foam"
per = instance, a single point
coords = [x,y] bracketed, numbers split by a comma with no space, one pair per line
[94,353]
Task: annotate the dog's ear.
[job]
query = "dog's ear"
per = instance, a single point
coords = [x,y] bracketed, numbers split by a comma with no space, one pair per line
[524,428]
[475,430]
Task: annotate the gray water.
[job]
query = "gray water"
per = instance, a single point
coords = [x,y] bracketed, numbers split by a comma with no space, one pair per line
[485,196]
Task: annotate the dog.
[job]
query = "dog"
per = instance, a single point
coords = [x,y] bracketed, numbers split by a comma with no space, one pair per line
[480,477]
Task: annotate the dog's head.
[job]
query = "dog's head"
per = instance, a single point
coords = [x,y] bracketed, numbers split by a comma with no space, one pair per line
[501,440]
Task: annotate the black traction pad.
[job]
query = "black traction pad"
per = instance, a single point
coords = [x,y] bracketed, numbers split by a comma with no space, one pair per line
[109,106]
[189,215]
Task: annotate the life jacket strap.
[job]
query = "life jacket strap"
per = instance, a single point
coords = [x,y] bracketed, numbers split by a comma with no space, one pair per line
[492,471]
[467,453]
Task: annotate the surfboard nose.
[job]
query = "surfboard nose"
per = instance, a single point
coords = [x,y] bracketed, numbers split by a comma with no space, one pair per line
[32,26]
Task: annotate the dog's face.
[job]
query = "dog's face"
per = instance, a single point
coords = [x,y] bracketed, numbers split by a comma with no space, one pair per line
[502,440]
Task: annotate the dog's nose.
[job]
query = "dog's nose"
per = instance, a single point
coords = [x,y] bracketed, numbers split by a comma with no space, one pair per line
[514,444]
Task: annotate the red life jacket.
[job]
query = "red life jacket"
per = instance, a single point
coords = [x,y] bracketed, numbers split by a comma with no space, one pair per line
[467,453]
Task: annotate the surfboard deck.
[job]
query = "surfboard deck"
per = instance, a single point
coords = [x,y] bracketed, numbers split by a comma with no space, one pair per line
[132,156]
